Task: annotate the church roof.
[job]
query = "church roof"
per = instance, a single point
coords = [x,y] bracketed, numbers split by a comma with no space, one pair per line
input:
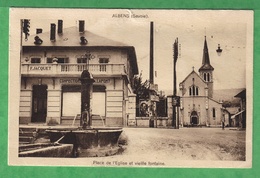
[190,75]
[205,59]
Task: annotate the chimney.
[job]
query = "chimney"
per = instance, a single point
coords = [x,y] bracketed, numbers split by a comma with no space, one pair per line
[60,26]
[53,31]
[81,26]
[151,53]
[38,30]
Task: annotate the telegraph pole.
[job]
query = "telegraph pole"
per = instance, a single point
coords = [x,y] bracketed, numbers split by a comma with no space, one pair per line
[151,112]
[175,98]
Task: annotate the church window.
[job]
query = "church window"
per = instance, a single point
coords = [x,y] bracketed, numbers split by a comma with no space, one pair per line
[206,77]
[194,90]
[213,112]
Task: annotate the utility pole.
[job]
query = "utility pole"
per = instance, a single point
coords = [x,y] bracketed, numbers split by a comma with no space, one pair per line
[151,108]
[175,98]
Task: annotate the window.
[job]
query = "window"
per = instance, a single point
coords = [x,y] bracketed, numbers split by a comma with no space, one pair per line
[81,60]
[213,112]
[60,60]
[194,90]
[35,60]
[103,60]
[206,77]
[103,67]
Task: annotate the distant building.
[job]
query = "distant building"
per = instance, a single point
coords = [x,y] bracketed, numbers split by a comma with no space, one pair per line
[240,116]
[51,65]
[197,104]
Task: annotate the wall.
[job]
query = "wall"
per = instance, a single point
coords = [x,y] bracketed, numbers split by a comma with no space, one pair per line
[115,56]
[197,82]
[144,122]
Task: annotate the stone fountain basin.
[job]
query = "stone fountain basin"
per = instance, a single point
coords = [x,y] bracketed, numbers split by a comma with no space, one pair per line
[89,142]
[46,150]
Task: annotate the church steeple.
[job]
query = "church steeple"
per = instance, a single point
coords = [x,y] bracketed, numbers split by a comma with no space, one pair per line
[205,59]
[206,70]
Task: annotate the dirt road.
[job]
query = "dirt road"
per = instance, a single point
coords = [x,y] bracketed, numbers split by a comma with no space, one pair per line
[185,143]
[184,147]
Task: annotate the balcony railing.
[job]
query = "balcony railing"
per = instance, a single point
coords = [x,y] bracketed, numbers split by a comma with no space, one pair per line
[54,69]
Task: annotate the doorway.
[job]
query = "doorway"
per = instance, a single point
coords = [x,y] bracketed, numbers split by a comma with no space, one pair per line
[194,118]
[39,103]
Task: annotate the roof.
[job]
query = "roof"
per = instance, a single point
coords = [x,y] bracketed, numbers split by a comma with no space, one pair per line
[232,110]
[70,38]
[227,94]
[190,75]
[205,59]
[241,94]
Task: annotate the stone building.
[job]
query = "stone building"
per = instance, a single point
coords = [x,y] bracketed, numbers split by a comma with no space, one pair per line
[197,104]
[51,65]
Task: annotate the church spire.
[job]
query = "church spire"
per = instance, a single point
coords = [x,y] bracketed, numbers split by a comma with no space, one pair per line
[206,70]
[205,59]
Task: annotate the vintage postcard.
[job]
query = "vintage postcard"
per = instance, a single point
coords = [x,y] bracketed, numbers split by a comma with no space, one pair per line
[130,88]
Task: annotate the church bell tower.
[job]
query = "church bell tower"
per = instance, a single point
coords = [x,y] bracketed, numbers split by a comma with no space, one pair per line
[206,70]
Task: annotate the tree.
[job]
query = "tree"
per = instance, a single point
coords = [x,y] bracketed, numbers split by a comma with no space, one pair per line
[141,89]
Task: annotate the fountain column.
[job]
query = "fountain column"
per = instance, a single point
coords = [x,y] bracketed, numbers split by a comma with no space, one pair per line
[86,90]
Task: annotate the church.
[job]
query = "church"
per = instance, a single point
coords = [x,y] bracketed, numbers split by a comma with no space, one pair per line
[197,104]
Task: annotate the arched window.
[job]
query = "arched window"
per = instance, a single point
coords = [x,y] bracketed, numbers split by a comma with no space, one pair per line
[208,77]
[213,112]
[194,90]
[205,76]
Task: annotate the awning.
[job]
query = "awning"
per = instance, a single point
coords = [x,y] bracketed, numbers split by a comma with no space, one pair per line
[232,117]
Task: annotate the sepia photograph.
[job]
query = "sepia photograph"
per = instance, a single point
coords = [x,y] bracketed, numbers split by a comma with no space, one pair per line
[130,88]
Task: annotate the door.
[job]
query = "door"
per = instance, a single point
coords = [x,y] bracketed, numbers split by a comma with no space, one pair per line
[194,118]
[39,105]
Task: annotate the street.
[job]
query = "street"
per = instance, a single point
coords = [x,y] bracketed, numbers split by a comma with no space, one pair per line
[186,143]
[161,147]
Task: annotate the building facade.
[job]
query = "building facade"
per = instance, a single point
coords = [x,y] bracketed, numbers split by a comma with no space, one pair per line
[51,65]
[240,116]
[197,104]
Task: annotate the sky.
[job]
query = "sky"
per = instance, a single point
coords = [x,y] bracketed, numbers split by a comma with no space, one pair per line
[231,29]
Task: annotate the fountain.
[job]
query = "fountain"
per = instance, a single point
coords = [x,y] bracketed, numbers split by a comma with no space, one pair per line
[46,150]
[87,141]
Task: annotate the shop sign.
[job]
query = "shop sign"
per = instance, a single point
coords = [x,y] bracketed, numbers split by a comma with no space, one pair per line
[70,81]
[102,80]
[76,80]
[41,68]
